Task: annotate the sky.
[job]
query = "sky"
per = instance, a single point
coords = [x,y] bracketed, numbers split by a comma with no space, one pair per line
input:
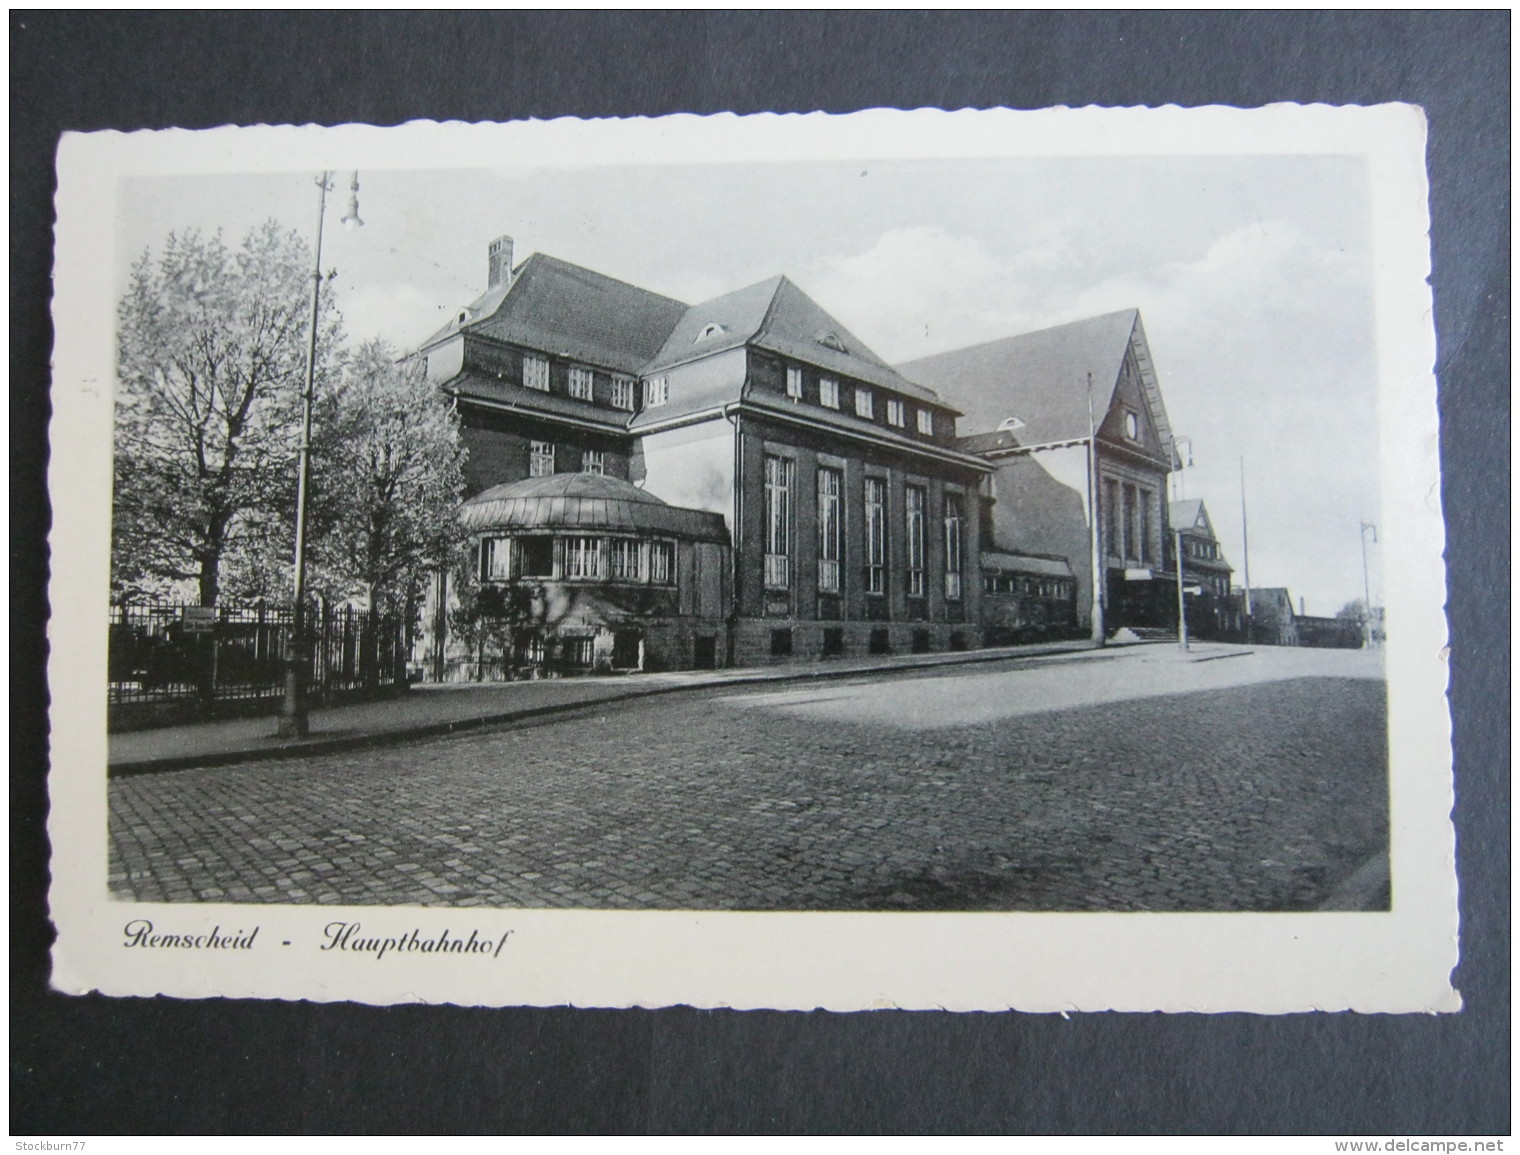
[1253,276]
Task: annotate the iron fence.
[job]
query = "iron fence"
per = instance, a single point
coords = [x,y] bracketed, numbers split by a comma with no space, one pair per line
[164,651]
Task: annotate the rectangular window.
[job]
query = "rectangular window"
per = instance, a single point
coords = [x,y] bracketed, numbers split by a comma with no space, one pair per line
[495,559]
[1128,515]
[583,557]
[1145,525]
[540,458]
[954,519]
[865,404]
[794,384]
[896,413]
[580,382]
[662,562]
[622,393]
[624,556]
[535,557]
[876,535]
[778,523]
[828,392]
[1111,516]
[656,392]
[536,373]
[915,519]
[830,529]
[593,461]
[926,422]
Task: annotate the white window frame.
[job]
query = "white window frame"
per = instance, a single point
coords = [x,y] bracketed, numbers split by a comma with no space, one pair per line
[656,392]
[535,373]
[585,558]
[660,567]
[593,461]
[794,383]
[622,392]
[955,517]
[625,559]
[540,459]
[926,422]
[876,535]
[780,475]
[496,559]
[896,412]
[915,498]
[828,392]
[582,383]
[830,528]
[865,403]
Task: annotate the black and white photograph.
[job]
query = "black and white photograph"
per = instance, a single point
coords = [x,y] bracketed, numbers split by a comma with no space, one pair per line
[778,537]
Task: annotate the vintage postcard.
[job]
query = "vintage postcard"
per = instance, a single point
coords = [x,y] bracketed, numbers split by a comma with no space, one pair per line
[971,560]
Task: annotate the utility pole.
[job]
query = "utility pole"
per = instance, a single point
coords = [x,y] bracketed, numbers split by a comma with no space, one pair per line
[1245,547]
[293,721]
[1182,638]
[1099,623]
[1367,586]
[1182,465]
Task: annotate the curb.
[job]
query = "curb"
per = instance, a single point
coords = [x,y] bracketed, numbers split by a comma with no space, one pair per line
[439,729]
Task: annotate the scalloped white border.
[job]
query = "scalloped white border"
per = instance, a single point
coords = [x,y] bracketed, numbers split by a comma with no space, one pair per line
[1398,961]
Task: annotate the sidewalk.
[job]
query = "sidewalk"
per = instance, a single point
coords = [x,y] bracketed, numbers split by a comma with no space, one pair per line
[430,710]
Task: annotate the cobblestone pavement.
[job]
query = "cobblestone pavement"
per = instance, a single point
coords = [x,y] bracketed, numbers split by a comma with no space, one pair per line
[1256,795]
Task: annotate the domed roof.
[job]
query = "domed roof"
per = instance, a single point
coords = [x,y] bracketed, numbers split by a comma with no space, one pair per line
[585,501]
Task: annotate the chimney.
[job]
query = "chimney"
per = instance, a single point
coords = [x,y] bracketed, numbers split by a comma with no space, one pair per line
[500,257]
[1303,613]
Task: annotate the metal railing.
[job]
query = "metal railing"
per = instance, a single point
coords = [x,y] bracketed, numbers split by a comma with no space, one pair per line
[166,651]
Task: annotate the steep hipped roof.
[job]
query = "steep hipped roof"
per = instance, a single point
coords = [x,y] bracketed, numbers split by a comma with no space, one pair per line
[1040,377]
[585,501]
[1185,514]
[778,316]
[565,310]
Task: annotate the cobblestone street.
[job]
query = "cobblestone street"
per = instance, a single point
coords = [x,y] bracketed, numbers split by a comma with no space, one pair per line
[1252,784]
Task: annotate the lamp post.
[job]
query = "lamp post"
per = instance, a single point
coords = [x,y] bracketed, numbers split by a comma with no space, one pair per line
[1177,443]
[293,715]
[1367,586]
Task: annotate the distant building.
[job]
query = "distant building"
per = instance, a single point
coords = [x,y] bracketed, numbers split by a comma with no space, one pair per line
[1049,410]
[1271,618]
[1212,612]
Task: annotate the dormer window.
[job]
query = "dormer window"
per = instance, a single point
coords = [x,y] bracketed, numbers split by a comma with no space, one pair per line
[831,340]
[794,384]
[926,422]
[709,331]
[1132,425]
[536,373]
[1010,425]
[865,404]
[580,382]
[656,392]
[622,393]
[828,392]
[896,413]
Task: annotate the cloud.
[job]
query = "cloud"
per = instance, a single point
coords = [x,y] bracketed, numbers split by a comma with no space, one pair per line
[1263,342]
[402,313]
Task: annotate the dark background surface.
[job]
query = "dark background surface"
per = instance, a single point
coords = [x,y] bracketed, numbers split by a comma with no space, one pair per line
[95,1065]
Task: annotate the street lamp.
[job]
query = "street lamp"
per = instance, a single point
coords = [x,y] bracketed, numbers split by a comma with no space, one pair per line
[293,715]
[1182,463]
[1367,586]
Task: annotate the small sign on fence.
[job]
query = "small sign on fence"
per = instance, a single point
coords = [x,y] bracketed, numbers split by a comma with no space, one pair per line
[198,619]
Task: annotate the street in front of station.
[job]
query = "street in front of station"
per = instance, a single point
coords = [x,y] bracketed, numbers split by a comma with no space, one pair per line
[1138,780]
